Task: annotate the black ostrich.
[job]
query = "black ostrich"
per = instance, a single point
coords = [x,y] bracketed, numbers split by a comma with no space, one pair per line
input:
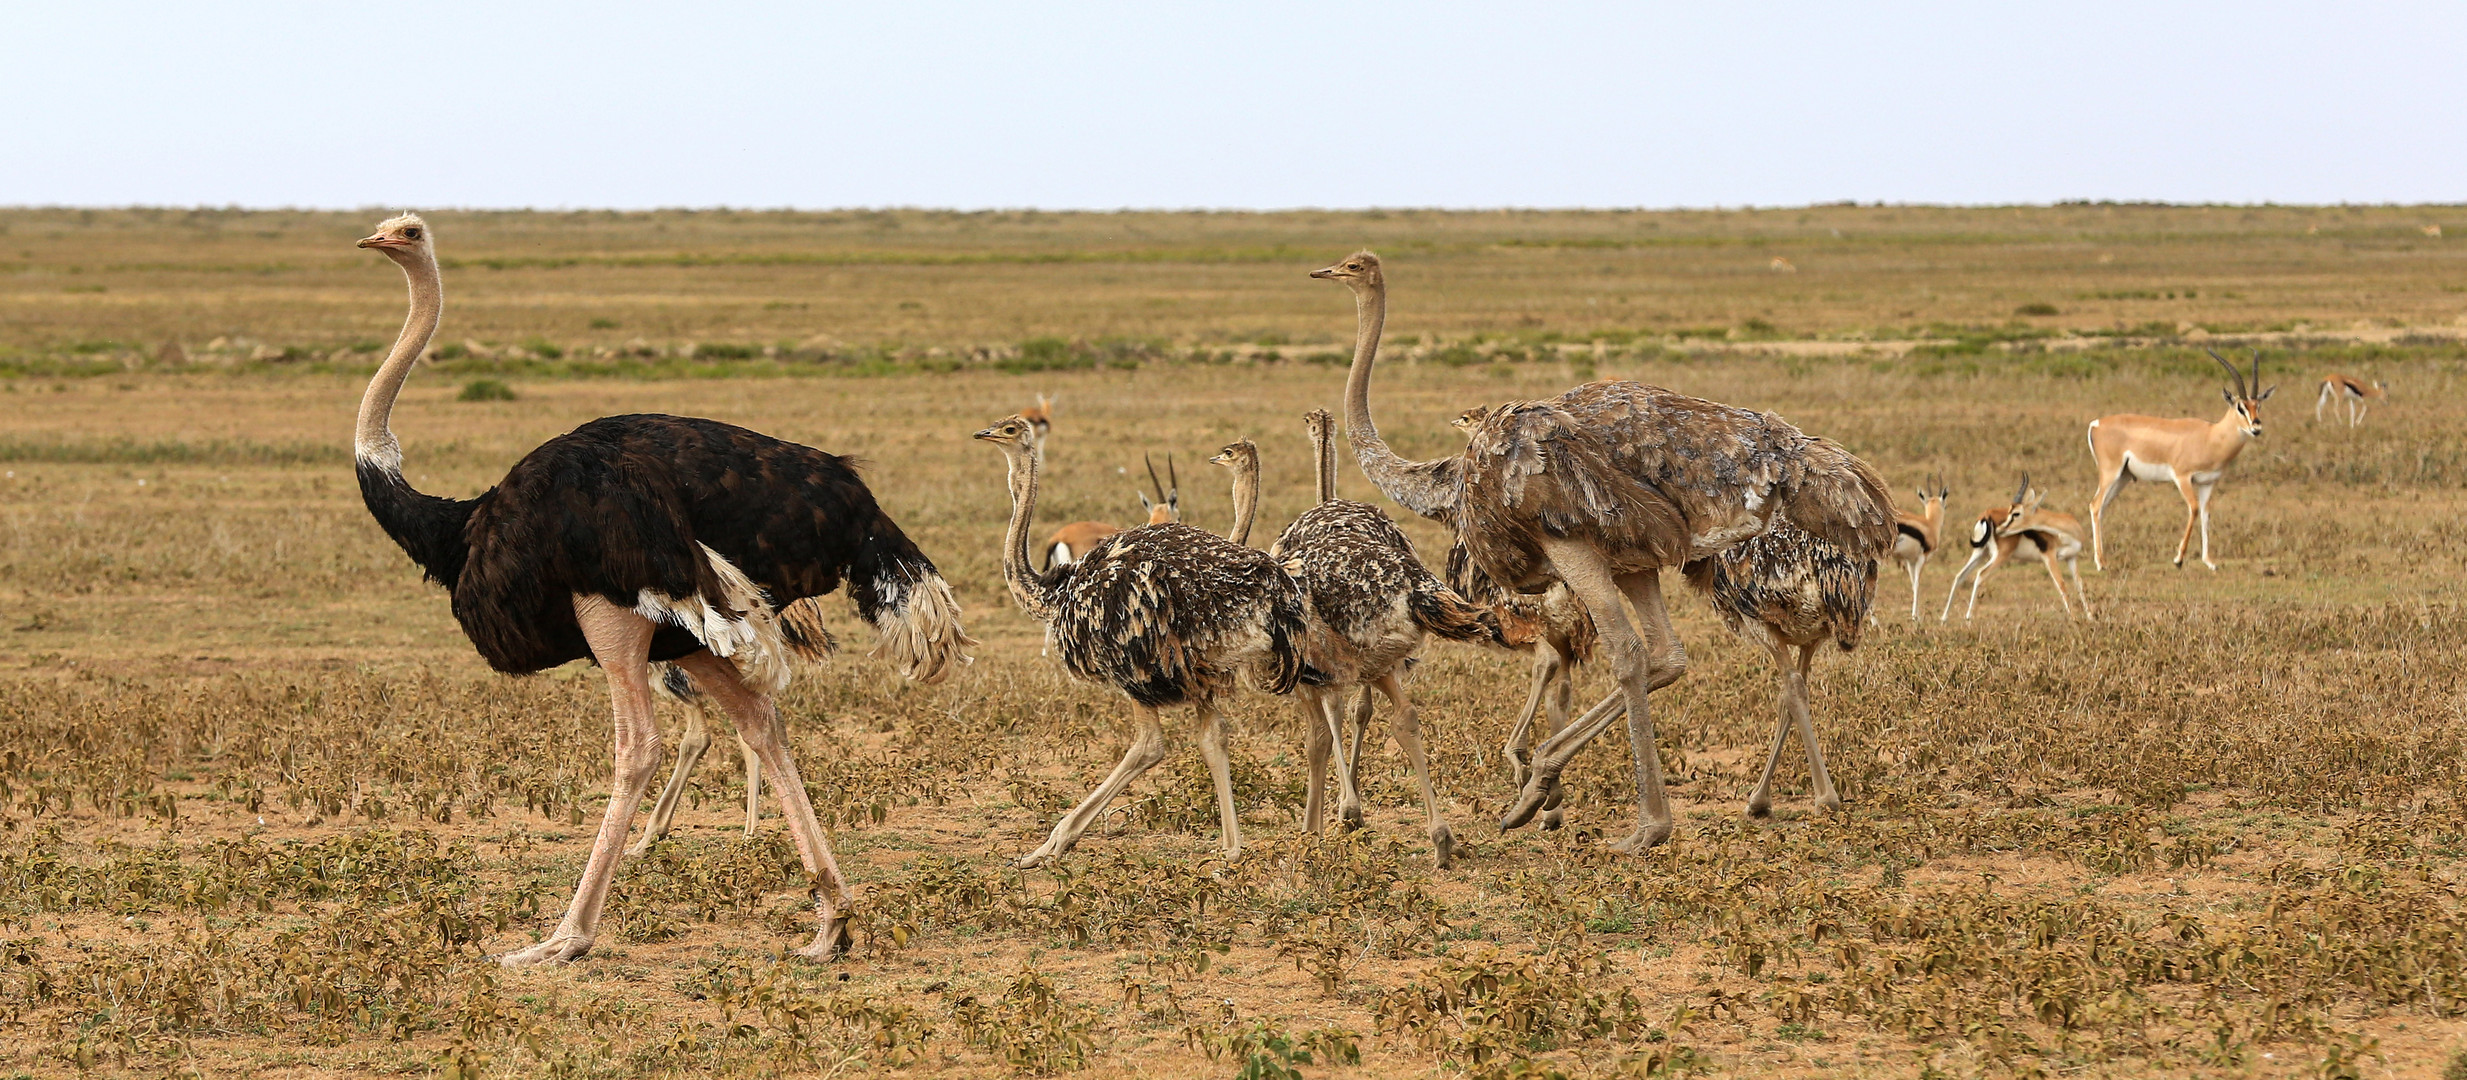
[643,538]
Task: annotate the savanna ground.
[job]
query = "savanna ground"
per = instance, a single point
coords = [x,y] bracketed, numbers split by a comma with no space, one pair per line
[263,813]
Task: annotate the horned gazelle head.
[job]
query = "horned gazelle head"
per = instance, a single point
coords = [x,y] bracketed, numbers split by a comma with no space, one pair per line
[1167,506]
[2025,500]
[2247,396]
[1932,494]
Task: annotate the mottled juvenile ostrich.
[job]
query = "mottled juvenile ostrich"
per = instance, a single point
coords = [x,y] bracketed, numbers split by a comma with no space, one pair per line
[1371,605]
[1789,590]
[1601,488]
[1167,615]
[634,539]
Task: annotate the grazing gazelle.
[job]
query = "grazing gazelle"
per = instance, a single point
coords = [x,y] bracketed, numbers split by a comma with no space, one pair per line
[1914,537]
[1072,541]
[2190,453]
[2022,528]
[2350,390]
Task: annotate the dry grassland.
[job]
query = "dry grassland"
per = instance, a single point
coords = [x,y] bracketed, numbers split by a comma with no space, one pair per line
[263,813]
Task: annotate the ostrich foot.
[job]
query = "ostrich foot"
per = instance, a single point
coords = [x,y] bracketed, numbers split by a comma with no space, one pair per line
[831,944]
[1760,804]
[1520,765]
[1644,838]
[1542,788]
[1053,849]
[1443,844]
[562,946]
[1552,819]
[1829,800]
[1351,817]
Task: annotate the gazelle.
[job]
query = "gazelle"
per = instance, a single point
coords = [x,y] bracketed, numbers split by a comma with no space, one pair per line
[2191,453]
[1915,536]
[2021,527]
[2352,391]
[1040,416]
[1072,541]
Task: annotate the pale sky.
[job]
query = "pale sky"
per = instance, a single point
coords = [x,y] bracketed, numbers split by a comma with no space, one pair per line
[1226,105]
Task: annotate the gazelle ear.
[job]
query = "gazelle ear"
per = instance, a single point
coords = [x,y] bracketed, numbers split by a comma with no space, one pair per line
[2265,395]
[2230,395]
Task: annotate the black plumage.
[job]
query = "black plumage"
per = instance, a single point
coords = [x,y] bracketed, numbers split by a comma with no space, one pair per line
[646,538]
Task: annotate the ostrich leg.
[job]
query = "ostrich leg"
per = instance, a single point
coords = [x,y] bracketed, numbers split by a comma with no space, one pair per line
[1546,666]
[1321,736]
[1820,782]
[1643,664]
[758,724]
[621,641]
[1146,749]
[1220,769]
[1760,800]
[1406,727]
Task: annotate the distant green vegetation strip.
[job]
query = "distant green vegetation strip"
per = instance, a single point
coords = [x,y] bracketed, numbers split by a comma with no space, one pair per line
[129,451]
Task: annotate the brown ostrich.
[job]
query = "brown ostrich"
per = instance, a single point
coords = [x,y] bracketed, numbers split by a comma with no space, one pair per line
[1601,488]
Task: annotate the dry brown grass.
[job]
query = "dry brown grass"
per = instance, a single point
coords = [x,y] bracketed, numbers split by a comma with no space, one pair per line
[261,811]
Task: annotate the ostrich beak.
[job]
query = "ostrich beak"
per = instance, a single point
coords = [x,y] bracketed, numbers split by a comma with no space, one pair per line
[1324,272]
[380,240]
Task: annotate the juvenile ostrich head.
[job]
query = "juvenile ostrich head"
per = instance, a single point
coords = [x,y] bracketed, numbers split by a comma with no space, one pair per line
[1015,434]
[1357,271]
[402,239]
[1467,419]
[1237,455]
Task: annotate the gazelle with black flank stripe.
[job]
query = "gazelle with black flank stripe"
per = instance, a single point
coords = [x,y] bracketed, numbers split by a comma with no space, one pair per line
[2350,391]
[1915,536]
[2023,527]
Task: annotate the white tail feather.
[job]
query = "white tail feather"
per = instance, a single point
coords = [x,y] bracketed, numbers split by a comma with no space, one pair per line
[920,629]
[752,640]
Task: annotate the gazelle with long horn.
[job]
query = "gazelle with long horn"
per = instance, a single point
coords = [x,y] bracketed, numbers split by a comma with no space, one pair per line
[1915,535]
[2021,527]
[2190,453]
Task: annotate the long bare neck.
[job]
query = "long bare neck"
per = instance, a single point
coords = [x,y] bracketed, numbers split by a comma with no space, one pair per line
[1323,463]
[1407,482]
[1245,499]
[1031,591]
[373,439]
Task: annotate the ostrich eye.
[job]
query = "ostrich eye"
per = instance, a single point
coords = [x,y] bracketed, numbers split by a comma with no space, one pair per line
[412,233]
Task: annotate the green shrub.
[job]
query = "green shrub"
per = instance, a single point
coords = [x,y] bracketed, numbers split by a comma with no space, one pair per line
[485,390]
[2037,308]
[544,348]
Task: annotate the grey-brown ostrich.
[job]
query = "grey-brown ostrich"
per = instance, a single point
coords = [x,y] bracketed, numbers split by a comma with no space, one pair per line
[1601,488]
[1790,592]
[1371,605]
[645,538]
[1167,615]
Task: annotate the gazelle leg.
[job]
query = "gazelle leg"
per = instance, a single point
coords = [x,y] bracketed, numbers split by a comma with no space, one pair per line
[2108,488]
[2057,580]
[2202,506]
[1220,769]
[758,724]
[2192,517]
[690,749]
[2361,409]
[1760,800]
[1146,749]
[1915,567]
[2073,566]
[1406,727]
[621,641]
[1818,778]
[2323,399]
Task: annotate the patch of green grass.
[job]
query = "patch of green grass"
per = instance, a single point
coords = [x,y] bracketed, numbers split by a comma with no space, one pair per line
[485,390]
